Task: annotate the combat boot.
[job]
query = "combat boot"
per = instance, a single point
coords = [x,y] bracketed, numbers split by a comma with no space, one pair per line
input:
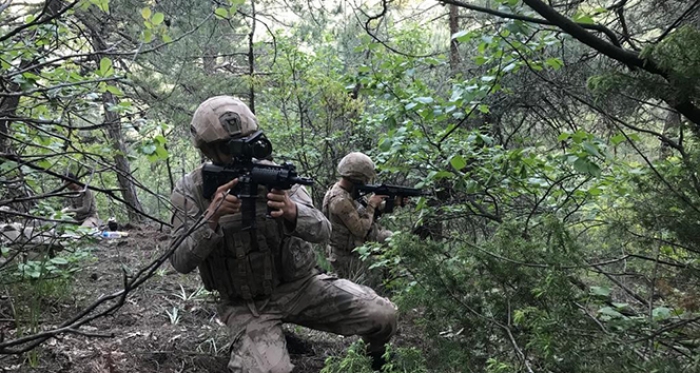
[378,359]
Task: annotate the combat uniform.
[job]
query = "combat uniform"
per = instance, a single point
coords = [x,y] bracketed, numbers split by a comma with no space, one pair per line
[352,225]
[83,206]
[265,277]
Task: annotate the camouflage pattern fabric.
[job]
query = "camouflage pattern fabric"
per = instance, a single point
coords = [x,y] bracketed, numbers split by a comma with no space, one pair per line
[83,206]
[321,302]
[352,224]
[302,297]
[216,253]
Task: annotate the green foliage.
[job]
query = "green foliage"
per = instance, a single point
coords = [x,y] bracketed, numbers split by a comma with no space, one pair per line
[399,360]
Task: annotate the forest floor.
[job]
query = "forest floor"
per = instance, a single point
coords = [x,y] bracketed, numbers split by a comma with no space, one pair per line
[166,325]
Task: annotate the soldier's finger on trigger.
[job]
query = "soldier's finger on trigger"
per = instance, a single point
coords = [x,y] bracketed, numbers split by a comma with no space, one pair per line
[225,187]
[231,183]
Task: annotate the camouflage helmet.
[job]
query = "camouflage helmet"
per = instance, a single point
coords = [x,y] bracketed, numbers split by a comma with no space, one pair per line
[357,167]
[221,118]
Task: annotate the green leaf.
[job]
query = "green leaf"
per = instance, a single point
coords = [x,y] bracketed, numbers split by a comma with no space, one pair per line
[161,152]
[384,145]
[609,311]
[44,163]
[59,260]
[480,60]
[221,13]
[424,100]
[591,149]
[114,90]
[661,313]
[600,290]
[594,169]
[617,139]
[458,162]
[147,36]
[564,136]
[484,108]
[581,165]
[554,63]
[583,18]
[579,136]
[148,149]
[166,38]
[463,36]
[146,13]
[510,67]
[158,18]
[105,66]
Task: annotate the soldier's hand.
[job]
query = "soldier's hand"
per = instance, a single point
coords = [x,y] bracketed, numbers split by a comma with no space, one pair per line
[400,201]
[282,205]
[376,200]
[222,204]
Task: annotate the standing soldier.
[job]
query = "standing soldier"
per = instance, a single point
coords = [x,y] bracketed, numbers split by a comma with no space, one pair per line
[265,275]
[82,205]
[353,221]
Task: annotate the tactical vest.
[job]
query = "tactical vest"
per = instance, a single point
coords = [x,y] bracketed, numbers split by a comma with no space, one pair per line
[342,241]
[249,263]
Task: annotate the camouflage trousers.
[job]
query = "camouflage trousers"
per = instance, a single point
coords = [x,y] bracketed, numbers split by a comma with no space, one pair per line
[321,302]
[349,266]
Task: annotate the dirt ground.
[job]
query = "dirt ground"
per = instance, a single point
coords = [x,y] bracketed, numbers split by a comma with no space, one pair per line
[169,324]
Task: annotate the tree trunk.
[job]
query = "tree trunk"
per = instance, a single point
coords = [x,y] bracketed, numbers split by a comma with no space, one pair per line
[672,124]
[113,122]
[454,28]
[8,107]
[114,129]
[13,187]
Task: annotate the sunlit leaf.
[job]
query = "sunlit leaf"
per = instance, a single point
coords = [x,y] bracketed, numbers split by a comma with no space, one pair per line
[158,18]
[458,162]
[146,13]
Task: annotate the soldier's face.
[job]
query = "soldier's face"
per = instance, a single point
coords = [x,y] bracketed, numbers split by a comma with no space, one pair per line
[217,156]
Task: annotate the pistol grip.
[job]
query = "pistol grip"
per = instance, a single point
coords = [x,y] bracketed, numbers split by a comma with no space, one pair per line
[389,204]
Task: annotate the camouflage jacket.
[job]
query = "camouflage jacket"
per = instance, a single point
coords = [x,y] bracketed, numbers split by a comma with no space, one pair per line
[352,223]
[239,262]
[82,205]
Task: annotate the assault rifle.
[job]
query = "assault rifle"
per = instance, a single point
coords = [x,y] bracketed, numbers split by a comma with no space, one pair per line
[392,191]
[250,174]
